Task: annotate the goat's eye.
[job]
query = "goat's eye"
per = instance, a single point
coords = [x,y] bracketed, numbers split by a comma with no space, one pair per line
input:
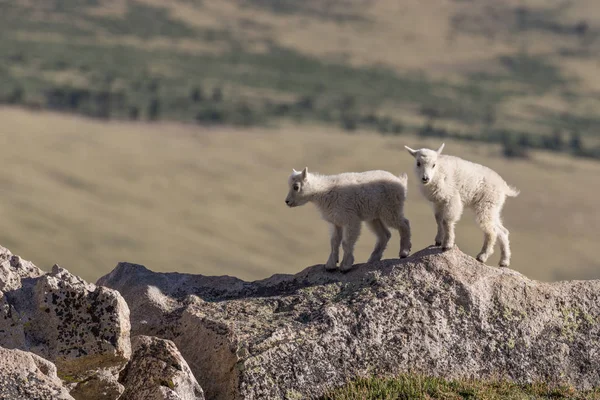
[418,164]
[433,166]
[296,187]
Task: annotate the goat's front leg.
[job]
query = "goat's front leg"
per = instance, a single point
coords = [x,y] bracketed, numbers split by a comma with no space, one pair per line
[350,235]
[452,212]
[439,237]
[336,240]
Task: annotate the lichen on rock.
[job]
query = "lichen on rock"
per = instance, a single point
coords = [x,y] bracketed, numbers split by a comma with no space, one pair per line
[82,328]
[158,371]
[25,375]
[439,313]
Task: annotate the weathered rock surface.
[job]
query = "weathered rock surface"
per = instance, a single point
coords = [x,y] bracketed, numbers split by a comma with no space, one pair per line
[100,384]
[157,371]
[24,375]
[80,327]
[295,336]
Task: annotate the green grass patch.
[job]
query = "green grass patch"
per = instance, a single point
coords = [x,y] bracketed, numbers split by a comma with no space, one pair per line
[145,21]
[15,18]
[411,386]
[535,73]
[312,8]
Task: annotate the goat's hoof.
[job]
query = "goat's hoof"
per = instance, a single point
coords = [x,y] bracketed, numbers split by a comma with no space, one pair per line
[504,263]
[330,267]
[447,247]
[404,253]
[482,258]
[438,243]
[373,259]
[345,268]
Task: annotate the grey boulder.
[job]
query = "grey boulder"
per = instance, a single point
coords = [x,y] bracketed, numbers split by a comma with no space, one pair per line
[296,336]
[24,375]
[82,328]
[158,371]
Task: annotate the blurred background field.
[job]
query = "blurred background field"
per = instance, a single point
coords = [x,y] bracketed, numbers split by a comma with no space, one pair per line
[87,194]
[163,132]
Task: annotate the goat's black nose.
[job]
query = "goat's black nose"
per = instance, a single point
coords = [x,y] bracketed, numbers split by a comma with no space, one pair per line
[287,202]
[425,179]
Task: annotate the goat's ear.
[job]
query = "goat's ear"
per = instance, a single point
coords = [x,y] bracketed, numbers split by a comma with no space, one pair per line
[411,151]
[441,148]
[304,173]
[294,171]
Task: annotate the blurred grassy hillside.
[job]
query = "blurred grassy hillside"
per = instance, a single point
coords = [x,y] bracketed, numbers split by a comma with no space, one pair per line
[190,114]
[520,72]
[87,194]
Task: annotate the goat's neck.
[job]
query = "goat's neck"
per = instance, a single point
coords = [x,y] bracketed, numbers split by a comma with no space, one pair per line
[319,186]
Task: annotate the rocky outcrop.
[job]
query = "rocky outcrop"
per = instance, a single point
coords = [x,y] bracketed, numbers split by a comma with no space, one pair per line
[24,375]
[100,384]
[440,313]
[82,328]
[158,371]
[288,336]
[84,331]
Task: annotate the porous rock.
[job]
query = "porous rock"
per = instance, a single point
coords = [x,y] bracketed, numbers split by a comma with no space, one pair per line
[82,328]
[157,371]
[24,375]
[439,313]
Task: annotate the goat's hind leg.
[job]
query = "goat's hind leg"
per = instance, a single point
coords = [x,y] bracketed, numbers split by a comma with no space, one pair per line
[397,221]
[383,236]
[488,221]
[405,237]
[504,245]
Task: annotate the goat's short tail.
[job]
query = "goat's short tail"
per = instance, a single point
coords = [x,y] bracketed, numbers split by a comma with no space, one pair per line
[512,191]
[403,177]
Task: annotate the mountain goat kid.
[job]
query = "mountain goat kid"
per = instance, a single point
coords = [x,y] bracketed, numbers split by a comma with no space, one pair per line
[347,199]
[451,183]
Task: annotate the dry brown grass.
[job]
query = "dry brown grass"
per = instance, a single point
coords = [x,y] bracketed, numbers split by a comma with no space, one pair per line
[88,194]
